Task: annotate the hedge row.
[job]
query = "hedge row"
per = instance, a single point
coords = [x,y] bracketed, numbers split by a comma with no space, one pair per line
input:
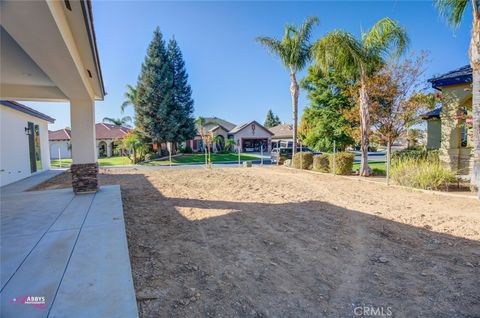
[324,162]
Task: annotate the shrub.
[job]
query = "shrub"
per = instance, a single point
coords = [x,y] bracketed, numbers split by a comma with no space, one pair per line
[416,153]
[151,156]
[421,173]
[321,163]
[187,149]
[303,160]
[223,152]
[343,163]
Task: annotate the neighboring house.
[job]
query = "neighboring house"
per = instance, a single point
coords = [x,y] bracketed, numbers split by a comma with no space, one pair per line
[107,138]
[450,128]
[23,141]
[249,137]
[60,146]
[282,135]
[434,128]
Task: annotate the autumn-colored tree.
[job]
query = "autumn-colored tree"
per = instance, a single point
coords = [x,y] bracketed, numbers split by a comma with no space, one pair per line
[398,97]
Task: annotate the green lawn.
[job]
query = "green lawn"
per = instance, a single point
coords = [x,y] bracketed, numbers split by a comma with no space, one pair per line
[379,168]
[112,161]
[193,158]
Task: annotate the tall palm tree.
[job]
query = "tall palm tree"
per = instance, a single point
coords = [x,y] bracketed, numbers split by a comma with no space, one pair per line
[124,121]
[453,11]
[358,59]
[130,97]
[201,122]
[294,50]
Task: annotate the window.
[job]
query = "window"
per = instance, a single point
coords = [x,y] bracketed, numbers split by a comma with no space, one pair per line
[38,155]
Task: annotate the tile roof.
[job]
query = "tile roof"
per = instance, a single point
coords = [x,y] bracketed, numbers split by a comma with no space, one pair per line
[458,76]
[26,110]
[282,131]
[102,131]
[61,134]
[109,131]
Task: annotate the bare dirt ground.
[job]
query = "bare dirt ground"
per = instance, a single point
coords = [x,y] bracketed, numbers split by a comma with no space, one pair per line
[272,242]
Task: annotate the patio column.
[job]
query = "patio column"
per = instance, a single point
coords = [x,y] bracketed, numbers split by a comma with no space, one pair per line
[84,150]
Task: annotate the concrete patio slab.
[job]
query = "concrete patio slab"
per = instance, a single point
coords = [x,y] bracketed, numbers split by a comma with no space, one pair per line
[70,249]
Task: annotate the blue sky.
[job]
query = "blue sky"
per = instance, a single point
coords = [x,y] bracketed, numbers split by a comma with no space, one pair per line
[232,76]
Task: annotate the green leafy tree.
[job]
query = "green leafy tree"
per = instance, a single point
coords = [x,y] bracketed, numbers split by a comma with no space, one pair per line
[134,146]
[294,50]
[124,121]
[271,120]
[453,11]
[155,111]
[323,121]
[182,95]
[358,59]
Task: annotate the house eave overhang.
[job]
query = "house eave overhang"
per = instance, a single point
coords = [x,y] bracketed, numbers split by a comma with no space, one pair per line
[438,84]
[59,54]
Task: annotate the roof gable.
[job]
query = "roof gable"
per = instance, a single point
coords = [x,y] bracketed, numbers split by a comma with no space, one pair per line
[243,126]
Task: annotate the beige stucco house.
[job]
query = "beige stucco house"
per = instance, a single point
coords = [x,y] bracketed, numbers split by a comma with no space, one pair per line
[449,127]
[248,137]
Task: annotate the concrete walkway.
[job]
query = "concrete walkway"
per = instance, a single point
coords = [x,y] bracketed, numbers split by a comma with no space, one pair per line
[70,251]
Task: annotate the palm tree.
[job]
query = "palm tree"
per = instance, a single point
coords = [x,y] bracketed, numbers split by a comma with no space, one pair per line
[294,50]
[229,144]
[201,123]
[118,121]
[453,11]
[358,59]
[130,97]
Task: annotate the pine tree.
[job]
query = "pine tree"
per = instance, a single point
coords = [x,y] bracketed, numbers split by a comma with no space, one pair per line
[271,120]
[155,106]
[182,94]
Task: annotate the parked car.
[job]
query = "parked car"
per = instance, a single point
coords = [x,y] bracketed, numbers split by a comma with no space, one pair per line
[279,155]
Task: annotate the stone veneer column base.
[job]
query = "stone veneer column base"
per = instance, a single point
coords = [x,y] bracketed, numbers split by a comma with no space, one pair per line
[84,177]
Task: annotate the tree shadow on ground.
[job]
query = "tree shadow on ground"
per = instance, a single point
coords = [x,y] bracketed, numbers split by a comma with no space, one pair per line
[299,259]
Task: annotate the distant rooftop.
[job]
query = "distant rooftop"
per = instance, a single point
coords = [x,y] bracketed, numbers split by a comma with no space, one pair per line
[26,110]
[282,131]
[102,131]
[212,123]
[458,76]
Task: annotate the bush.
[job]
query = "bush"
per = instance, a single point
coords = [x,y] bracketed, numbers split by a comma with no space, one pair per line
[303,160]
[421,173]
[151,156]
[416,153]
[223,152]
[321,163]
[187,149]
[343,163]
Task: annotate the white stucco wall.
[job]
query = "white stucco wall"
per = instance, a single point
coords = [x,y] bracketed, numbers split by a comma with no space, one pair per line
[63,145]
[14,151]
[248,133]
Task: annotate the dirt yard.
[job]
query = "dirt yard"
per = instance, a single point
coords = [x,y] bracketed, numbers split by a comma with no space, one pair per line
[273,242]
